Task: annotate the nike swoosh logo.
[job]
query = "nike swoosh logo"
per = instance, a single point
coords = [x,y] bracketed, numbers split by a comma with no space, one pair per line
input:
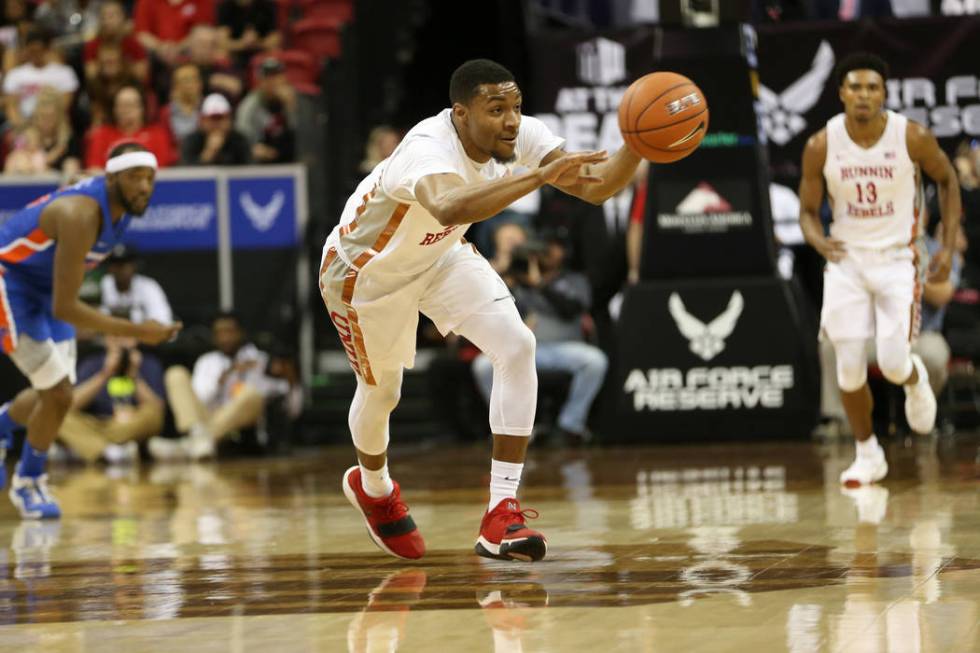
[694,132]
[500,299]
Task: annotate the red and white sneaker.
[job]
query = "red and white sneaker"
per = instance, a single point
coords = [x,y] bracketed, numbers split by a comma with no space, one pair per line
[387,519]
[505,536]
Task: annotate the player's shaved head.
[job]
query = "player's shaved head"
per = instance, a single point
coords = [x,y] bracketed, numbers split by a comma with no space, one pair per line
[466,81]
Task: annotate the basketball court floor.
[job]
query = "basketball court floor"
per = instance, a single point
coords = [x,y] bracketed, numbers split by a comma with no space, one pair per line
[736,547]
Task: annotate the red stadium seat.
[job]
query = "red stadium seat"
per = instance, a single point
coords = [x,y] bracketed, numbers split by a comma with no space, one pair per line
[302,70]
[318,36]
[340,11]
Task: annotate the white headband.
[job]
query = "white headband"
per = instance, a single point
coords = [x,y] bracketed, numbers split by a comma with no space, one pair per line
[129,160]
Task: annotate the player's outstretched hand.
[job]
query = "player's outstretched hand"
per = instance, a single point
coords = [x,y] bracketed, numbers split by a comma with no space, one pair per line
[832,249]
[940,266]
[573,169]
[152,332]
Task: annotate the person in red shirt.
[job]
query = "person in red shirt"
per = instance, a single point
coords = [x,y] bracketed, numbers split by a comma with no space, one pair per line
[129,123]
[163,25]
[113,28]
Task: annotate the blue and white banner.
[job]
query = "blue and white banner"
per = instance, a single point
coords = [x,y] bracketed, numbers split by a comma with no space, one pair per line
[182,216]
[263,212]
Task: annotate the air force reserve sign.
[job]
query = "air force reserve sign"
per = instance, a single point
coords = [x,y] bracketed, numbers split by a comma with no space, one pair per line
[715,359]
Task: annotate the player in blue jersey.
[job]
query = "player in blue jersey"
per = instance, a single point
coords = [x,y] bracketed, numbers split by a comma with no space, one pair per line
[45,250]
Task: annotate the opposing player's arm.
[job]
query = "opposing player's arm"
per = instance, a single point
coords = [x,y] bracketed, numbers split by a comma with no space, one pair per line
[811,196]
[924,150]
[596,182]
[452,201]
[74,222]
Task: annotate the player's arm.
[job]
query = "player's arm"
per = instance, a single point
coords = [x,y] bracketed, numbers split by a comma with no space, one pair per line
[924,150]
[452,201]
[74,223]
[613,174]
[811,196]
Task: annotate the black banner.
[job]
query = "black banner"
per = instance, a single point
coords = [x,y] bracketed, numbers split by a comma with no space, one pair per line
[934,78]
[715,360]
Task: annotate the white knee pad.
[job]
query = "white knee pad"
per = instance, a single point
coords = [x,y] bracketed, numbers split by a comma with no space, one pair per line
[369,411]
[852,364]
[894,359]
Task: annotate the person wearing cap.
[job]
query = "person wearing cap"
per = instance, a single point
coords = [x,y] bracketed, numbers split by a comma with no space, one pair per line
[45,250]
[267,115]
[215,142]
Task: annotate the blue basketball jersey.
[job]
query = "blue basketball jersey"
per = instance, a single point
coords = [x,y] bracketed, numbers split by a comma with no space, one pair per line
[26,252]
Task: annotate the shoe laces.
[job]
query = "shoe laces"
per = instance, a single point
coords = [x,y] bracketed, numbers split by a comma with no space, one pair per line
[518,514]
[390,508]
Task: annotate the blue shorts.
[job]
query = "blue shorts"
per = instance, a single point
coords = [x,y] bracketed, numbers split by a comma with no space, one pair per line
[25,310]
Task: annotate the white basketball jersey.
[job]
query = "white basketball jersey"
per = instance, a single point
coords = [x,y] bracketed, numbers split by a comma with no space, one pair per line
[873,191]
[385,226]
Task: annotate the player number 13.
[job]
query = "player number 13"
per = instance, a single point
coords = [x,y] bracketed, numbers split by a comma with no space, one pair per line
[869,193]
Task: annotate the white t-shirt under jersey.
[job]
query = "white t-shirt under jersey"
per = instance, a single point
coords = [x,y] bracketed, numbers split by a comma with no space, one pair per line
[384,230]
[873,191]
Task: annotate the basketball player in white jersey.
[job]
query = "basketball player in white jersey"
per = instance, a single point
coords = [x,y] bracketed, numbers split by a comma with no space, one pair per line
[870,160]
[399,250]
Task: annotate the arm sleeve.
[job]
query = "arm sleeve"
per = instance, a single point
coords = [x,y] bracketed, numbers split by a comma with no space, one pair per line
[419,158]
[535,141]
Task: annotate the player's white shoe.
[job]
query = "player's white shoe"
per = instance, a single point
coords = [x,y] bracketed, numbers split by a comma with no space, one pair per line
[920,403]
[865,470]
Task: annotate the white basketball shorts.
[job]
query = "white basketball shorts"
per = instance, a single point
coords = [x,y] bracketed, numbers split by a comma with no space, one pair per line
[377,316]
[873,294]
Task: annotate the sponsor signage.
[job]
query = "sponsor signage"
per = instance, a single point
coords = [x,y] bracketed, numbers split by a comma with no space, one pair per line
[715,359]
[263,212]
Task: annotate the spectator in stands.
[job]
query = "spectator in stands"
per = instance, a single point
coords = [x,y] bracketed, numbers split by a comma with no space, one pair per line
[15,23]
[381,142]
[267,115]
[217,71]
[247,27]
[129,112]
[227,392]
[555,303]
[118,401]
[70,22]
[852,9]
[114,28]
[182,113]
[23,83]
[216,142]
[506,238]
[110,73]
[60,145]
[133,296]
[27,155]
[162,26]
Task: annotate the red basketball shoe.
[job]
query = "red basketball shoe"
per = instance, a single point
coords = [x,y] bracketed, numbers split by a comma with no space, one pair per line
[387,518]
[505,536]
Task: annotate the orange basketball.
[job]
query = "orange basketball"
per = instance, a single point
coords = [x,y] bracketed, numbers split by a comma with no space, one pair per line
[663,117]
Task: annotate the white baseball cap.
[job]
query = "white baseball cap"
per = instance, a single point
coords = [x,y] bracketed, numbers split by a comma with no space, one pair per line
[215,105]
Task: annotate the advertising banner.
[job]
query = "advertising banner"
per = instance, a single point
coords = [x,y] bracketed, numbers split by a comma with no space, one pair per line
[934,79]
[263,212]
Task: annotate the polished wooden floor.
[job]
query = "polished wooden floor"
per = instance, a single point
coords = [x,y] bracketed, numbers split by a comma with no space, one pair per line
[748,547]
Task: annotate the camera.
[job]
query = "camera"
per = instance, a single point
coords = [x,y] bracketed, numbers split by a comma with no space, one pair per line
[520,257]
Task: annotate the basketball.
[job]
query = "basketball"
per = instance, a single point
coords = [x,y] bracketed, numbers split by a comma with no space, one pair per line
[663,117]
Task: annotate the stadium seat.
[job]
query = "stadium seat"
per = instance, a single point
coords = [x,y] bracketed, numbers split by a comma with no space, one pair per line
[318,36]
[340,11]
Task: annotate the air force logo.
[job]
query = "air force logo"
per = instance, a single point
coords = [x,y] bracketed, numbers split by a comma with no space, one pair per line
[783,113]
[706,340]
[262,217]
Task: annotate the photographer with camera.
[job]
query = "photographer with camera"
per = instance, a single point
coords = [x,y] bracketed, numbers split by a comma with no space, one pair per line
[117,402]
[555,303]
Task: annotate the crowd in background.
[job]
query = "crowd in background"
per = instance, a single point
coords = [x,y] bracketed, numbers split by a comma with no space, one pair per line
[198,82]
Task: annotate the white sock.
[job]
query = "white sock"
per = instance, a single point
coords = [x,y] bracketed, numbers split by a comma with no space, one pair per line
[868,448]
[376,482]
[505,478]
